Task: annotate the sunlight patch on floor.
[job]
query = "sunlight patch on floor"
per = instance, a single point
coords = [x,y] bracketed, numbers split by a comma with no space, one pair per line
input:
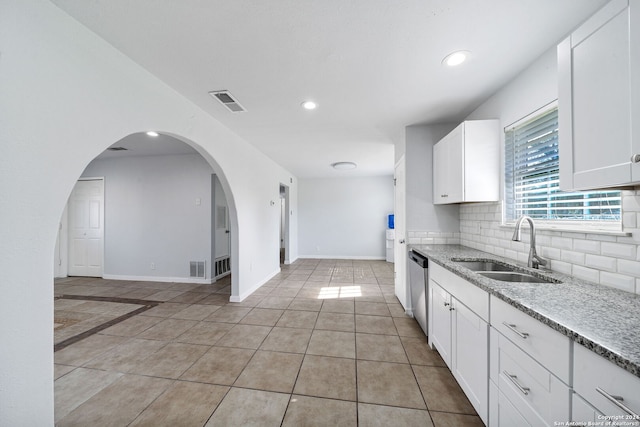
[339,292]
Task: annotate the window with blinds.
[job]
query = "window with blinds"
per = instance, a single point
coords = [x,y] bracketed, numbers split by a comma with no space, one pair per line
[532,177]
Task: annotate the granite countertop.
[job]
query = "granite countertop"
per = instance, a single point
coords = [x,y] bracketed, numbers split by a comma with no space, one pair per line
[602,319]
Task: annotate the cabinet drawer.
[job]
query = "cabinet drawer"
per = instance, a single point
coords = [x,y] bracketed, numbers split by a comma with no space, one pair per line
[550,348]
[531,389]
[592,373]
[467,293]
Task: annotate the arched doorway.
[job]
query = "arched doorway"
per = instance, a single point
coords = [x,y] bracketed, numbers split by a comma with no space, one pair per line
[162,215]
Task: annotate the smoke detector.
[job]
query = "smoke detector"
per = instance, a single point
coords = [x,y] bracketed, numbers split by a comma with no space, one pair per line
[227,100]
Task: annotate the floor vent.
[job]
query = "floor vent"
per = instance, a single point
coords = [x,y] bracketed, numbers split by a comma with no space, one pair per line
[228,101]
[197,269]
[222,267]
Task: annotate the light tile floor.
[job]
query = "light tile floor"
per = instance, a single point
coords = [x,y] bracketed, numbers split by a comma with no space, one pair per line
[325,343]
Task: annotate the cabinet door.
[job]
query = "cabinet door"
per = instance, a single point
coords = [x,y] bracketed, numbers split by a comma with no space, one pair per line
[503,413]
[440,338]
[470,356]
[448,175]
[598,90]
[581,411]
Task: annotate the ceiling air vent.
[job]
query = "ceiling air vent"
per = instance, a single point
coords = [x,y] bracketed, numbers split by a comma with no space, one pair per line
[227,100]
[117,149]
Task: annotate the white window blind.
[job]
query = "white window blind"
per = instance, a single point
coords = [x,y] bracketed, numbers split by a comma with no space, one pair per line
[532,177]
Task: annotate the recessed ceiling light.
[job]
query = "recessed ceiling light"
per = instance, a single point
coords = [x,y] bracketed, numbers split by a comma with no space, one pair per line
[456,58]
[343,165]
[152,133]
[309,105]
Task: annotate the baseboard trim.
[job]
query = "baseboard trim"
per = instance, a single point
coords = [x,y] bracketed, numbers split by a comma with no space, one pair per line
[244,295]
[195,280]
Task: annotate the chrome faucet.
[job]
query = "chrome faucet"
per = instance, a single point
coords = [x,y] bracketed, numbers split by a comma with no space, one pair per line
[535,261]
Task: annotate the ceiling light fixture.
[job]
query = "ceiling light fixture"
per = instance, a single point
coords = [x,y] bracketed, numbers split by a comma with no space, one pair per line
[456,58]
[152,133]
[343,166]
[309,105]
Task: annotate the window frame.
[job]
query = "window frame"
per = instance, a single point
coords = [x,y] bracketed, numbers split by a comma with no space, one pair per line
[577,225]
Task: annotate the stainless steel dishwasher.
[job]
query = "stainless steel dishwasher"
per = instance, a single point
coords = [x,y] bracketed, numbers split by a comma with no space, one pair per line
[418,265]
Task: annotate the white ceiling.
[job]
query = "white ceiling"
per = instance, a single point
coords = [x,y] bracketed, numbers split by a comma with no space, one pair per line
[373,66]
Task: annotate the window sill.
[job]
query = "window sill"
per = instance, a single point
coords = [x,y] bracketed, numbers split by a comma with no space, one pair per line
[571,229]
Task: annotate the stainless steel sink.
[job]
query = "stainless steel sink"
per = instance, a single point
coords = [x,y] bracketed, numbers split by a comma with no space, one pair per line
[497,270]
[511,276]
[485,265]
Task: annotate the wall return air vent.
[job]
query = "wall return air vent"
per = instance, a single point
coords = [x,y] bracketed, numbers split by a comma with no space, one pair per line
[228,101]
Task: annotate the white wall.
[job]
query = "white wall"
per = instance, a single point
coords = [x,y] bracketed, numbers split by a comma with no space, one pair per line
[65,96]
[606,259]
[344,217]
[422,214]
[151,215]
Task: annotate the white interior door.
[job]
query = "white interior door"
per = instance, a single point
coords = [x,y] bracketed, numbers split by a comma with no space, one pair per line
[86,228]
[221,227]
[222,234]
[400,247]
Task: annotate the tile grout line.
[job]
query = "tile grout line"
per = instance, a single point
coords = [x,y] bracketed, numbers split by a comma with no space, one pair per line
[147,305]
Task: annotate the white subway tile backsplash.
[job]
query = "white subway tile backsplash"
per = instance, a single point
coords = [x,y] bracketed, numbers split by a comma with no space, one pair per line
[586,273]
[619,281]
[601,237]
[601,262]
[561,267]
[619,250]
[510,253]
[597,257]
[629,220]
[572,257]
[631,268]
[543,240]
[572,235]
[549,253]
[586,246]
[562,242]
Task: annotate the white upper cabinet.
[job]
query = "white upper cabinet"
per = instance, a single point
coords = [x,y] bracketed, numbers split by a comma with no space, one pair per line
[466,164]
[599,100]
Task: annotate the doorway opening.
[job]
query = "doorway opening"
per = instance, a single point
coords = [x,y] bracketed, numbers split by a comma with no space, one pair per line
[157,212]
[285,214]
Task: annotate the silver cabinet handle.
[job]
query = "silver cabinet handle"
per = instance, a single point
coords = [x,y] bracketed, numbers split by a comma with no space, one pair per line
[617,400]
[514,380]
[447,304]
[635,158]
[401,241]
[511,326]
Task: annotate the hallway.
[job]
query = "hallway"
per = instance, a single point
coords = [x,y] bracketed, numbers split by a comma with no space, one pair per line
[323,343]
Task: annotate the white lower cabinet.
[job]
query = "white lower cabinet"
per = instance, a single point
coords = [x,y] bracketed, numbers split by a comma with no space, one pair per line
[517,371]
[603,389]
[501,412]
[461,335]
[440,321]
[469,355]
[535,393]
[581,410]
[529,364]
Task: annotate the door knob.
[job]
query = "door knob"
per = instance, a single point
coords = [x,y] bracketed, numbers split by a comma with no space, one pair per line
[635,158]
[401,241]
